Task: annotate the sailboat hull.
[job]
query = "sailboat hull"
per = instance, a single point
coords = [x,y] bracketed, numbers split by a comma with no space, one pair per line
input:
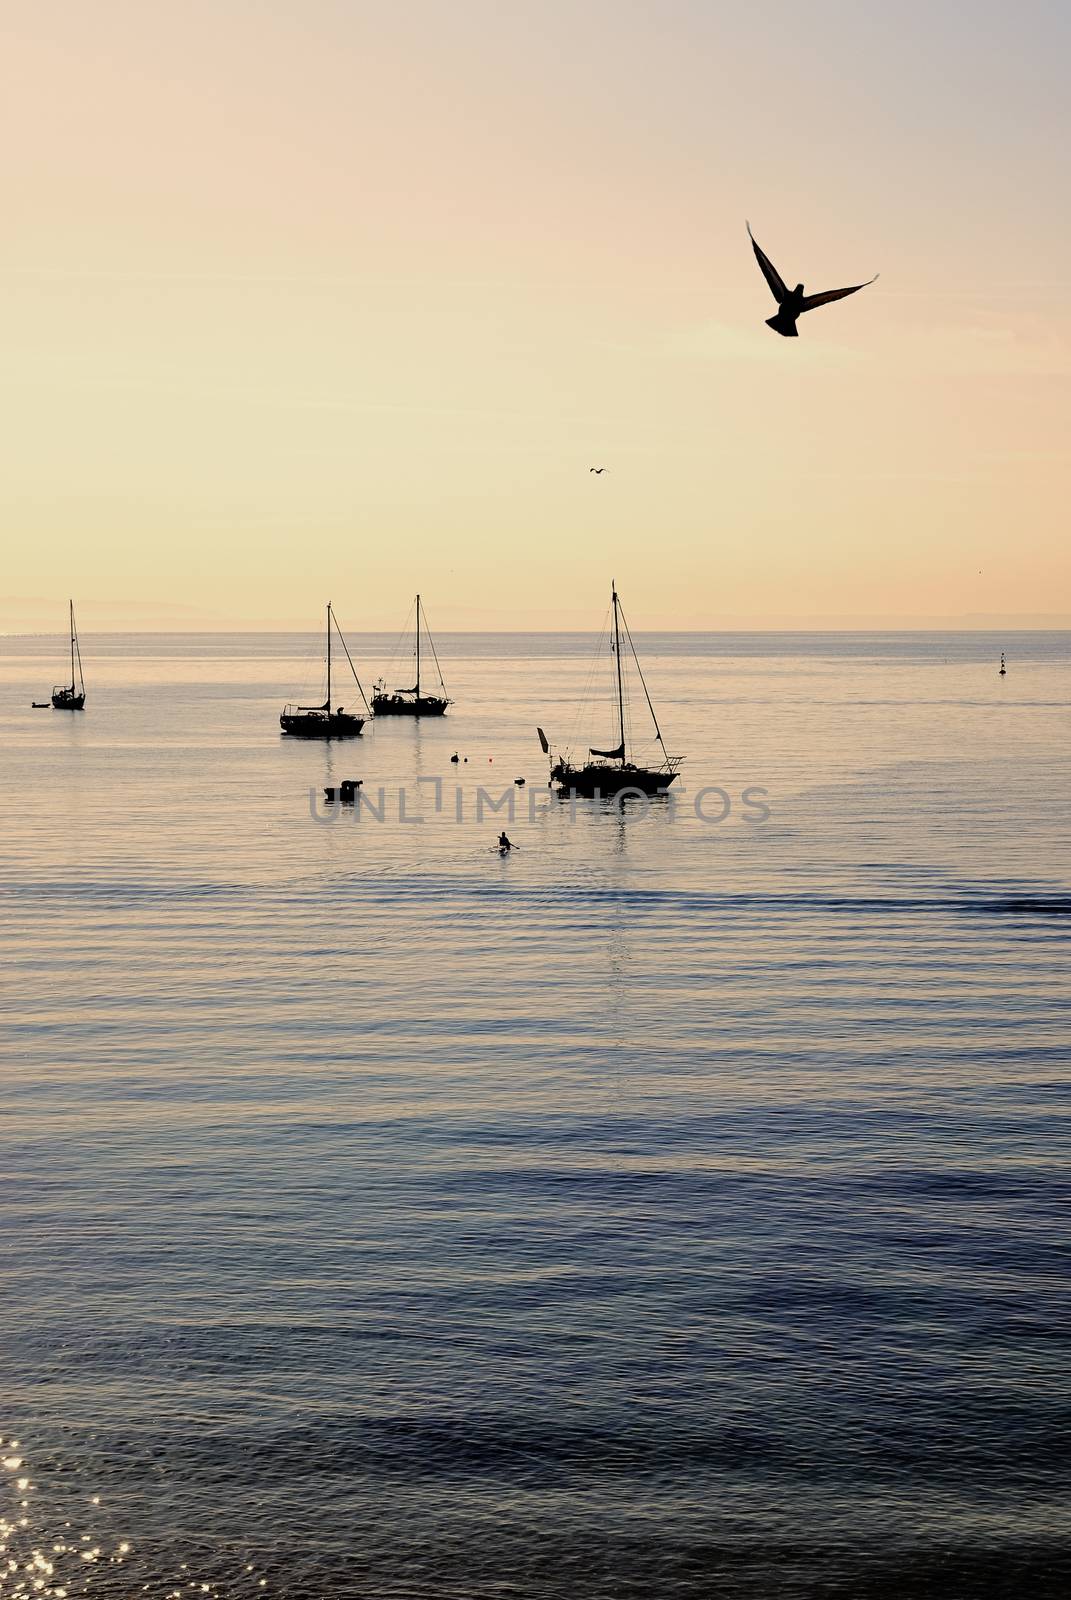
[597,781]
[321,724]
[399,705]
[67,700]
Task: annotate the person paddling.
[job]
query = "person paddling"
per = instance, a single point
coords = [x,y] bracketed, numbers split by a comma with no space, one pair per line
[504,844]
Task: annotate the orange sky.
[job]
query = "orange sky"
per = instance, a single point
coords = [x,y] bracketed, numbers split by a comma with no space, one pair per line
[342,300]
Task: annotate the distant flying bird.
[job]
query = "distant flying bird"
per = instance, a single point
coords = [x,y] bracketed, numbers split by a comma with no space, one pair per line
[596,469]
[792,303]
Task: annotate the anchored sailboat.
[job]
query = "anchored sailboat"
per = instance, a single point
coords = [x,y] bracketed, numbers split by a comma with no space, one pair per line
[412,702]
[327,721]
[71,697]
[612,772]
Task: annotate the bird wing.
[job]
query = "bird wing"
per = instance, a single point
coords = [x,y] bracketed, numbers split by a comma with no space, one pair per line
[769,271]
[823,299]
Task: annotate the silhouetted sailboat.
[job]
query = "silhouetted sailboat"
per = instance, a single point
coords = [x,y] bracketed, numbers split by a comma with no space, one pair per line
[412,702]
[612,772]
[326,721]
[71,697]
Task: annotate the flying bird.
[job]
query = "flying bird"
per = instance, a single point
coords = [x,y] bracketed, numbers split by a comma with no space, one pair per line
[792,303]
[596,469]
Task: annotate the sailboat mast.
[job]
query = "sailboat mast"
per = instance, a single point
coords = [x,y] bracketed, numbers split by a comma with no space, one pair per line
[329,658]
[620,689]
[72,645]
[418,646]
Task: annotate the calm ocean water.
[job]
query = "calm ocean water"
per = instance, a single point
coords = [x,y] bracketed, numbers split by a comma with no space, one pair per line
[674,1208]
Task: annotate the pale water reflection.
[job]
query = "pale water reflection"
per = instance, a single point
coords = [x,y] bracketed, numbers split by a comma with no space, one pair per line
[665,1209]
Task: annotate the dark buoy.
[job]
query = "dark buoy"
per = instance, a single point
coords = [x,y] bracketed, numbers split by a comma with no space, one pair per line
[519,782]
[455,758]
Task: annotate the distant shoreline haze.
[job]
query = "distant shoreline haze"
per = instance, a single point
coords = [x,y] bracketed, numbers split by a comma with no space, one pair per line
[1058,623]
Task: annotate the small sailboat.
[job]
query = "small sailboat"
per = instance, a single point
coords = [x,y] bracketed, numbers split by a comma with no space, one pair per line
[72,696]
[327,721]
[413,702]
[1003,666]
[611,772]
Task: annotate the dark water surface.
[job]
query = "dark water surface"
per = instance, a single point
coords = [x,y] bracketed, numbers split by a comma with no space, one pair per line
[674,1208]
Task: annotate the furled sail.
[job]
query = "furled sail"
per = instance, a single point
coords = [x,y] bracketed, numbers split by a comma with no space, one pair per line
[611,755]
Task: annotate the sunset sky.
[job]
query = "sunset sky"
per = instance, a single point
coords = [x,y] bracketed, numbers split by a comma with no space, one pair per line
[335,299]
